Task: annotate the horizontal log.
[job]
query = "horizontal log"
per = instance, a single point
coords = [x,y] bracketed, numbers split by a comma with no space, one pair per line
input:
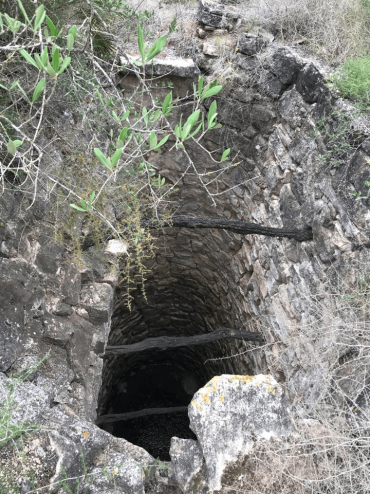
[165,342]
[117,417]
[235,226]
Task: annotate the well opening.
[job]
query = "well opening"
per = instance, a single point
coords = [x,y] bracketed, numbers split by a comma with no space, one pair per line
[177,304]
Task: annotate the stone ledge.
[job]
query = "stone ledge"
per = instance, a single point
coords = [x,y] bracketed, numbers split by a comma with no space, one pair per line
[181,67]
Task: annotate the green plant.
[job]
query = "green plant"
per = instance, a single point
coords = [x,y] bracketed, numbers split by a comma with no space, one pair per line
[359,195]
[353,79]
[340,138]
[117,184]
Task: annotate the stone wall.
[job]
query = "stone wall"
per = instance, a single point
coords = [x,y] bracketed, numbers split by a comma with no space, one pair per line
[199,280]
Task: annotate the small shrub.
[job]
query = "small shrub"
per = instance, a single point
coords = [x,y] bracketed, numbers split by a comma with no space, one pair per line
[353,79]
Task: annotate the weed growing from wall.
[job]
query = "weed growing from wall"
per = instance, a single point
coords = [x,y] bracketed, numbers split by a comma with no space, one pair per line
[91,163]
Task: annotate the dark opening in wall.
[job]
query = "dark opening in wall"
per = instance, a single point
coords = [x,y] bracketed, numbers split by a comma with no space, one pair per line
[176,305]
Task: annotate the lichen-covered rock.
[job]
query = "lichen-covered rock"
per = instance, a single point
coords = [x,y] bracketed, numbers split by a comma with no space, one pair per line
[232,412]
[187,461]
[80,451]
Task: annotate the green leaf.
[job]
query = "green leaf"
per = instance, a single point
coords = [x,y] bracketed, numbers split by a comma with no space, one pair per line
[11,148]
[40,16]
[225,154]
[50,70]
[65,64]
[180,146]
[28,58]
[78,208]
[145,115]
[44,56]
[172,27]
[125,115]
[9,21]
[38,90]
[212,113]
[177,131]
[1,22]
[196,130]
[55,59]
[73,31]
[156,48]
[91,198]
[47,34]
[16,26]
[70,41]
[124,134]
[154,117]
[211,91]
[116,157]
[166,103]
[21,8]
[115,116]
[200,85]
[100,156]
[119,143]
[191,121]
[100,97]
[152,141]
[51,26]
[140,40]
[39,63]
[163,141]
[185,131]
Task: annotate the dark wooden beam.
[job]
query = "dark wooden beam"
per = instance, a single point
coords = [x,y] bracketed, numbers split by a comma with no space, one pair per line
[235,226]
[117,417]
[165,342]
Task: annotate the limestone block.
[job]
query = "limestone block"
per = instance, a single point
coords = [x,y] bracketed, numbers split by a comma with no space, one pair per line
[231,413]
[187,461]
[211,50]
[120,475]
[181,67]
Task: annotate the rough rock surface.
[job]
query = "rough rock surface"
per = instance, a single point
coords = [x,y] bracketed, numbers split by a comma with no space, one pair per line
[187,460]
[216,15]
[81,451]
[232,412]
[250,45]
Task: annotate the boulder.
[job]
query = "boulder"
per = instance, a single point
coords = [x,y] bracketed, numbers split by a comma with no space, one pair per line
[231,413]
[216,15]
[286,65]
[310,84]
[250,44]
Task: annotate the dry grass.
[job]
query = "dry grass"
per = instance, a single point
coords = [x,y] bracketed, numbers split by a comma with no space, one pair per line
[335,28]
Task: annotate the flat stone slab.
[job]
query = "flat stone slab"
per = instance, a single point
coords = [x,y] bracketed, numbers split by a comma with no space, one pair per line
[180,67]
